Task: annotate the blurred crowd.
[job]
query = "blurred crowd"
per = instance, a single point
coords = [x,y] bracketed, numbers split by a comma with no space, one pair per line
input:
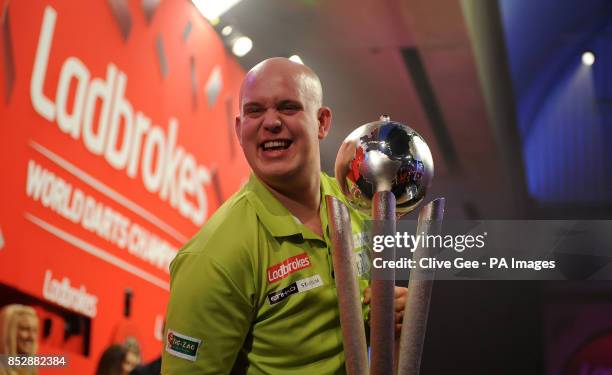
[19,334]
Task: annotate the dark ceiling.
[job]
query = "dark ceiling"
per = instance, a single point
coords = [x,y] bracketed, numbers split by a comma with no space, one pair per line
[455,71]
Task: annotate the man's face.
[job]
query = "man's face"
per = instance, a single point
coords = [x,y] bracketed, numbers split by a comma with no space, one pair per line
[27,334]
[279,127]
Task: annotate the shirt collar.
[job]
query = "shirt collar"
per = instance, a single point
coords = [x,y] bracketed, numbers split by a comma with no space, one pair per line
[274,216]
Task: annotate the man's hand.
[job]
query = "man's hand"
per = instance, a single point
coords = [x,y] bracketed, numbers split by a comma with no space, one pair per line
[400,297]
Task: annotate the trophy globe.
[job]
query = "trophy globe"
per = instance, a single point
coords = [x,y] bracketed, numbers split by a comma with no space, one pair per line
[384,155]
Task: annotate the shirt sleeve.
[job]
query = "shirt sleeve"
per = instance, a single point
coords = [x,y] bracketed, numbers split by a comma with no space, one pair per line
[209,315]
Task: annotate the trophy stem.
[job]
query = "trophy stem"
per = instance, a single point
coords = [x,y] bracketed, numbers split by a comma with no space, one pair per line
[419,294]
[382,322]
[351,319]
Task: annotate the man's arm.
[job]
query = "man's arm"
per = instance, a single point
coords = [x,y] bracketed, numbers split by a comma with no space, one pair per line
[209,315]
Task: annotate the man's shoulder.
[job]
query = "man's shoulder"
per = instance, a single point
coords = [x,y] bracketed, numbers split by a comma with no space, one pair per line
[226,240]
[231,224]
[330,185]
[235,216]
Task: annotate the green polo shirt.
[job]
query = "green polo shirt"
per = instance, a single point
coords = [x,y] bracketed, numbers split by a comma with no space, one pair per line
[254,291]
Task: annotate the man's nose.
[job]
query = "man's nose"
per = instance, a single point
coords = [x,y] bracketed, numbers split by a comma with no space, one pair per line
[272,122]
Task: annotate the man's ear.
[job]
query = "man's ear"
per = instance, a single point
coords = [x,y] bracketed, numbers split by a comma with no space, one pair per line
[324,117]
[238,129]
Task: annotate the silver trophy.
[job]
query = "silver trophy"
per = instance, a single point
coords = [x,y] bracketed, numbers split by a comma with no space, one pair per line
[384,168]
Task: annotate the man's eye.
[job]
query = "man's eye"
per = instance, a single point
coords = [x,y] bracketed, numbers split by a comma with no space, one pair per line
[253,111]
[290,108]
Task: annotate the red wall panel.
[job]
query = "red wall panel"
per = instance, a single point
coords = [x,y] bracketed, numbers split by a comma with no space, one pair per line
[113,154]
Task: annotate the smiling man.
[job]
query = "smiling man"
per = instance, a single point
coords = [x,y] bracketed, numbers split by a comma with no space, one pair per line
[281,123]
[254,291]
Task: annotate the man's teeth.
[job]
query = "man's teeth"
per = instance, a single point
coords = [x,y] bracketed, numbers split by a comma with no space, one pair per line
[275,145]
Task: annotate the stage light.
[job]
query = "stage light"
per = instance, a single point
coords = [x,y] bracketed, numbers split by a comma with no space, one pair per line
[297,59]
[588,58]
[227,30]
[242,46]
[213,9]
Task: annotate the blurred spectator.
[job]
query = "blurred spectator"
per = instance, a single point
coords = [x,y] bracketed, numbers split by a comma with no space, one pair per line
[133,356]
[18,334]
[151,368]
[117,360]
[111,361]
[18,330]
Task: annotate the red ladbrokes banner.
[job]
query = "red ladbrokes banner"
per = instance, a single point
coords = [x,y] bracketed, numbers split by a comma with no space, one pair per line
[117,144]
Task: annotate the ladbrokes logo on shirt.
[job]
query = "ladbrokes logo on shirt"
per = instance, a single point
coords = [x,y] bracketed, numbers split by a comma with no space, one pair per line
[288,266]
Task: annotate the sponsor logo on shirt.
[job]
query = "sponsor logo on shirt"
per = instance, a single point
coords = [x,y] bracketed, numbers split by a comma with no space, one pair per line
[276,297]
[309,283]
[182,346]
[296,287]
[288,266]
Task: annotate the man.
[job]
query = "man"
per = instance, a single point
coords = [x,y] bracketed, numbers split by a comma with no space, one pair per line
[254,292]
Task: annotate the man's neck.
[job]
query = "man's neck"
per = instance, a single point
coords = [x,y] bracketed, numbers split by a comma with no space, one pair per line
[303,200]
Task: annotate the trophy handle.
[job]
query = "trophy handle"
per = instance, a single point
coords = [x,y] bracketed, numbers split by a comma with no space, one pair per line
[382,319]
[419,294]
[349,301]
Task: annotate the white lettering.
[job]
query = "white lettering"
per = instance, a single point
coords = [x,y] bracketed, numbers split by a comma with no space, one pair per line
[109,126]
[187,185]
[71,123]
[203,178]
[62,293]
[41,103]
[118,156]
[172,160]
[143,123]
[102,90]
[152,176]
[73,204]
[34,183]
